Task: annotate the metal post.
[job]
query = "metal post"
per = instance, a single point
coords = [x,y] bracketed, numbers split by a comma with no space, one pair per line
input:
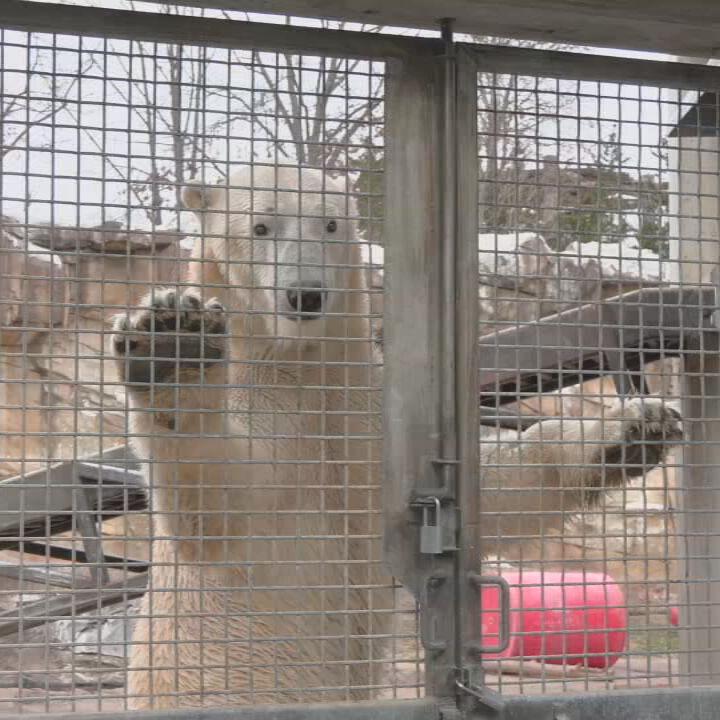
[430,354]
[449,423]
[467,378]
[413,318]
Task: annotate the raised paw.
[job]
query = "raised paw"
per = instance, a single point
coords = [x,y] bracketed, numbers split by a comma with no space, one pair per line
[172,338]
[650,429]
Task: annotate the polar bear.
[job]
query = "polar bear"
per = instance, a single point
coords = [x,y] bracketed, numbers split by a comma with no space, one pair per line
[254,397]
[258,409]
[531,483]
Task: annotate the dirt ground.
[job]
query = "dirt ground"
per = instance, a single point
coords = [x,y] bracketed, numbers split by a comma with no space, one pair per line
[78,665]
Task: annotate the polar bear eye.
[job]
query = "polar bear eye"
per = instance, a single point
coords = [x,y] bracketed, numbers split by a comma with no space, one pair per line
[331,227]
[260,229]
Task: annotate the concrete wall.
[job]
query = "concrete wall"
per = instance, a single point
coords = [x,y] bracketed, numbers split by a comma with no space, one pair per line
[695,231]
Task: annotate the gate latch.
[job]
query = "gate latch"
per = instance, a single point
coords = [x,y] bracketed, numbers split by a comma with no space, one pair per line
[438,527]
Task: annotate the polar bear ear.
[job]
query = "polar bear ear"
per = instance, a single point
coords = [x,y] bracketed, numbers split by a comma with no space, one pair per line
[199,197]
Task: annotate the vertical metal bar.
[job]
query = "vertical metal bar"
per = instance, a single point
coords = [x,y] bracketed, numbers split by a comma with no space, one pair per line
[696,200]
[448,327]
[431,345]
[411,304]
[413,357]
[448,183]
[466,360]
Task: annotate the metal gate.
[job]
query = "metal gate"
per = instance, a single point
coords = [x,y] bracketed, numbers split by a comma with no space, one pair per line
[245,267]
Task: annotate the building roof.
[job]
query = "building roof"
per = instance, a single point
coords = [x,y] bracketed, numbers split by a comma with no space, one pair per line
[702,119]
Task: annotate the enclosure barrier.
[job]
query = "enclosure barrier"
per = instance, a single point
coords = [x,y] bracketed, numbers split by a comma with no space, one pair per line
[463,338]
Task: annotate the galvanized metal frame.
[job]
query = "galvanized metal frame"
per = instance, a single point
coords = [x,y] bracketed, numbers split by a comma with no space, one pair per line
[431,107]
[642,704]
[124,24]
[393,710]
[597,68]
[700,637]
[155,27]
[675,704]
[661,26]
[413,364]
[430,349]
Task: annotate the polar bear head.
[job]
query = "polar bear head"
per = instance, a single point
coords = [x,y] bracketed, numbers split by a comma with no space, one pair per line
[282,240]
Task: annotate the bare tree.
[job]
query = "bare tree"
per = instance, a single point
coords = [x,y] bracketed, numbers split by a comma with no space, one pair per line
[512,112]
[314,111]
[166,97]
[41,97]
[320,112]
[33,99]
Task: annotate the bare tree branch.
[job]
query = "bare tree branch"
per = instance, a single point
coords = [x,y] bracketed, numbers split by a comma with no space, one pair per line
[37,112]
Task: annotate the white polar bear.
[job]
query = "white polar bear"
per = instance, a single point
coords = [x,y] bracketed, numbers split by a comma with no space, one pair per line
[255,399]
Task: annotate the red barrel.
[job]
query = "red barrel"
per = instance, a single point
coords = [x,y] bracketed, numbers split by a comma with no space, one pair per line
[572,618]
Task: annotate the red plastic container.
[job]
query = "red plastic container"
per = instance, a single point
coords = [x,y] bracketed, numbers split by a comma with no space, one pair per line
[675,616]
[572,618]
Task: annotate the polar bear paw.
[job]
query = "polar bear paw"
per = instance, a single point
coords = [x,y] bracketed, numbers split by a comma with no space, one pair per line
[648,428]
[172,338]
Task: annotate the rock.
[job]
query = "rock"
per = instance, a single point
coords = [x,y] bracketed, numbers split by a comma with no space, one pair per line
[33,288]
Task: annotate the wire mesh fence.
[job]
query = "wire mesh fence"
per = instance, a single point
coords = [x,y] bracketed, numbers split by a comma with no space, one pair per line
[190,378]
[587,192]
[193,347]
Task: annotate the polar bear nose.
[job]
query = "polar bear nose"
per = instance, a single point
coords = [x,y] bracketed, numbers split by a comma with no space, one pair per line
[306,297]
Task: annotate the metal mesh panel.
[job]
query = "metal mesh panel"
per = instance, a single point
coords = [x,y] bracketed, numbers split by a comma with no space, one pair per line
[190,397]
[191,288]
[597,201]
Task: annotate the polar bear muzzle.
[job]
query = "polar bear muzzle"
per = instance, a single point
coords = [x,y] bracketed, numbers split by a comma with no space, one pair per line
[307,299]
